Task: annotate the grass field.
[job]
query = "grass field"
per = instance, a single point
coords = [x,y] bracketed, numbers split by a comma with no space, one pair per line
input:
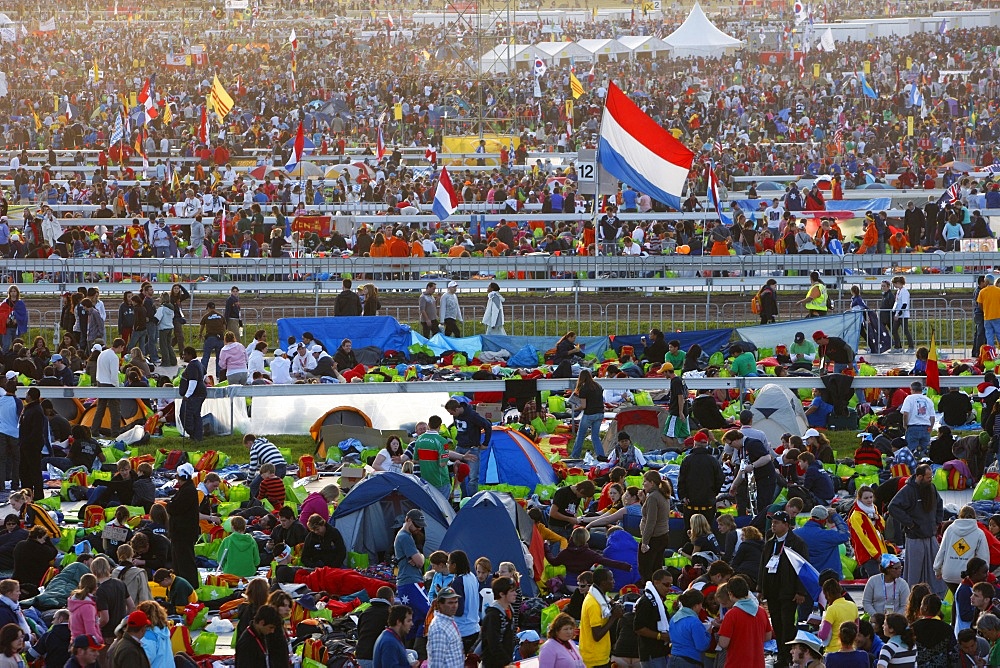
[843,442]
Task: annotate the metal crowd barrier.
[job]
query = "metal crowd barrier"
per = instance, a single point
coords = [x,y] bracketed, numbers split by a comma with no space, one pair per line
[338,389]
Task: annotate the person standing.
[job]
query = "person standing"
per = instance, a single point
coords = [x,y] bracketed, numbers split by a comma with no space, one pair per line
[371,623]
[389,651]
[493,317]
[470,425]
[885,307]
[13,318]
[919,415]
[410,564]
[444,641]
[127,651]
[183,526]
[961,541]
[654,527]
[919,510]
[212,328]
[768,298]
[867,532]
[108,365]
[761,464]
[901,316]
[745,628]
[451,312]
[233,313]
[10,415]
[33,437]
[652,621]
[427,306]
[151,347]
[979,337]
[989,298]
[817,299]
[193,392]
[498,625]
[431,449]
[347,303]
[597,616]
[779,584]
[590,394]
[699,482]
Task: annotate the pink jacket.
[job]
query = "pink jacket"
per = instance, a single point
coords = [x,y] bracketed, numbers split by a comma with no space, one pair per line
[83,617]
[233,357]
[314,504]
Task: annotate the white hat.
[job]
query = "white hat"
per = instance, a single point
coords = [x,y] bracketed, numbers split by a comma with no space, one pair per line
[809,433]
[10,375]
[185,470]
[97,347]
[278,352]
[453,284]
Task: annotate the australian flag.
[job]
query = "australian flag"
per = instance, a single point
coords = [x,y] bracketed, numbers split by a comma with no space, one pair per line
[950,196]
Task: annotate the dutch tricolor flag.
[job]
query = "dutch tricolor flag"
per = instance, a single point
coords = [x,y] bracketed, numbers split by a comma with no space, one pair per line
[445,199]
[641,153]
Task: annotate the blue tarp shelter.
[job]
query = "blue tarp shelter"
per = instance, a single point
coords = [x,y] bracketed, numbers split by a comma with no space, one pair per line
[710,340]
[591,344]
[493,526]
[383,332]
[846,326]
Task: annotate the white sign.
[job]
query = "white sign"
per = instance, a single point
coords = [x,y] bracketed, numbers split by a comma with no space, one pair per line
[586,171]
[237,4]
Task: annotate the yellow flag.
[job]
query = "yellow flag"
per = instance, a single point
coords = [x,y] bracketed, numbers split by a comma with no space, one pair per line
[575,86]
[220,99]
[133,100]
[167,114]
[97,72]
[38,121]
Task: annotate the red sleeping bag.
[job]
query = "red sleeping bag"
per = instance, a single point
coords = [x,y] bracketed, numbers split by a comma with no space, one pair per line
[339,581]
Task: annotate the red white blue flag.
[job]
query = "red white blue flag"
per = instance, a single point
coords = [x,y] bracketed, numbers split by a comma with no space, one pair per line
[445,198]
[640,153]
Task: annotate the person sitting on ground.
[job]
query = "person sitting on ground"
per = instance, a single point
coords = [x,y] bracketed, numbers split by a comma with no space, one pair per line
[179,591]
[324,546]
[577,557]
[240,555]
[819,409]
[626,455]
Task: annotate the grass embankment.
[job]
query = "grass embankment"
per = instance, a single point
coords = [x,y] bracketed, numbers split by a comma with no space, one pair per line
[844,443]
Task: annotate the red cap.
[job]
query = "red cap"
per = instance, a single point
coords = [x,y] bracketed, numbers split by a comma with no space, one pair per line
[818,334]
[701,437]
[138,620]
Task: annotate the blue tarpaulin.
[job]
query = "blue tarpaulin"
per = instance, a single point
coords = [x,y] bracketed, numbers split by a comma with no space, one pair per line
[710,340]
[383,332]
[439,343]
[846,326]
[591,344]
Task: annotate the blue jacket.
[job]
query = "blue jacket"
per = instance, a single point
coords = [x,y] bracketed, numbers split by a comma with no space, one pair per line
[688,637]
[818,481]
[824,544]
[622,546]
[10,414]
[389,651]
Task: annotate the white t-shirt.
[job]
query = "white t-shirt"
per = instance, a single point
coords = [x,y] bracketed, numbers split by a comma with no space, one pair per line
[919,410]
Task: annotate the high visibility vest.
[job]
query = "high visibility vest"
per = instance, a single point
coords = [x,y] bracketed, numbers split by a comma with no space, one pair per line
[818,303]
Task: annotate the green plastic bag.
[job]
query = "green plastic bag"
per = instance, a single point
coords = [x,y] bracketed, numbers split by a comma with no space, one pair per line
[67,539]
[112,455]
[940,480]
[716,359]
[209,550]
[50,503]
[358,560]
[213,592]
[296,494]
[557,404]
[199,621]
[642,398]
[545,492]
[986,489]
[238,493]
[205,643]
[549,614]
[870,480]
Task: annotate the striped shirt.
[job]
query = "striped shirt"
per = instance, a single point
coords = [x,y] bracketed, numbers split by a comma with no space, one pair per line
[272,489]
[262,451]
[895,654]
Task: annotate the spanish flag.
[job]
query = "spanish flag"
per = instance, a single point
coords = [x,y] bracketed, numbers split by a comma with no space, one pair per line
[933,380]
[575,86]
[219,99]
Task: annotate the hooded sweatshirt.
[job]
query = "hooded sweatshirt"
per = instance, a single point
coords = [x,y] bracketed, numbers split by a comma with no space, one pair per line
[233,357]
[240,555]
[962,541]
[83,617]
[688,636]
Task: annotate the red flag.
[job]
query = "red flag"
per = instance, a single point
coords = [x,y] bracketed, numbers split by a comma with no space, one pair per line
[933,379]
[379,145]
[203,128]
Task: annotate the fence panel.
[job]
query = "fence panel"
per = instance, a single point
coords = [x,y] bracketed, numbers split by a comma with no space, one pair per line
[635,318]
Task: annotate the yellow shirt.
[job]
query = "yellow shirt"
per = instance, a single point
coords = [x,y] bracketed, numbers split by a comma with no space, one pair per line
[837,613]
[593,652]
[989,297]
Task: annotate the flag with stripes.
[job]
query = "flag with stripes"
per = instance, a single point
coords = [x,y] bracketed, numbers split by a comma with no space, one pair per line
[118,132]
[221,102]
[575,86]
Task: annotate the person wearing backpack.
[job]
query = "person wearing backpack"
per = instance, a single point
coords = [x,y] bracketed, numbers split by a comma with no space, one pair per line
[767,301]
[126,316]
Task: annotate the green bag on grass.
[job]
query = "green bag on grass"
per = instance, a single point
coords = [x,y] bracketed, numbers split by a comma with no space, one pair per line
[545,492]
[50,503]
[213,592]
[205,643]
[239,493]
[67,539]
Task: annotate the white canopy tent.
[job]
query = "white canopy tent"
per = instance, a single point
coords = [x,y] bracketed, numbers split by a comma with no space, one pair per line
[505,57]
[698,36]
[644,45]
[555,52]
[604,49]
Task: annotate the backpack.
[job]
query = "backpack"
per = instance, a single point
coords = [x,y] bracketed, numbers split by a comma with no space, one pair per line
[174,459]
[755,306]
[208,461]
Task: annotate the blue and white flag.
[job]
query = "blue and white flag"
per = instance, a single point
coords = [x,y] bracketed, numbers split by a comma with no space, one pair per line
[118,133]
[993,169]
[943,28]
[808,575]
[916,97]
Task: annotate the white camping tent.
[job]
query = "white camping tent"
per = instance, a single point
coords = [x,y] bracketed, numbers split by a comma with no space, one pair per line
[776,410]
[506,57]
[697,36]
[603,49]
[555,52]
[644,45]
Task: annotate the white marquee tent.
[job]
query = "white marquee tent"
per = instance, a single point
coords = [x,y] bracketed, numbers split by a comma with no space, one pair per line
[556,52]
[501,56]
[642,45]
[697,36]
[604,49]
